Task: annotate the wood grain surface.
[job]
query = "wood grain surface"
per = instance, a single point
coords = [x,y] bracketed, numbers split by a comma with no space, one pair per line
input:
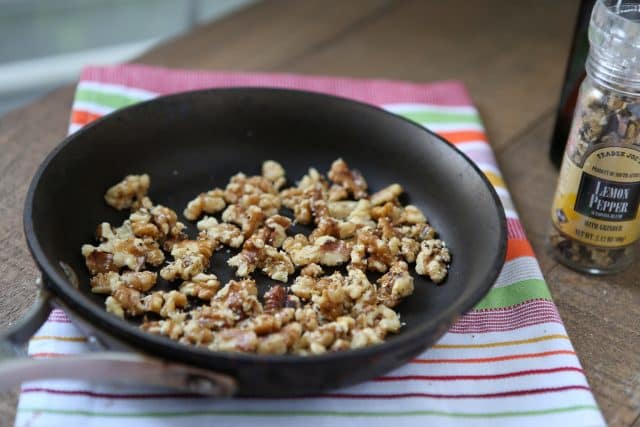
[510,54]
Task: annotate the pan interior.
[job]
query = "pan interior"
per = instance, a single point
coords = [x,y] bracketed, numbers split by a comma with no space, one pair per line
[193,142]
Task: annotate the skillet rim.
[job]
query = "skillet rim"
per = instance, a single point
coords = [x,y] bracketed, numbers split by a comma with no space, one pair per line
[145,342]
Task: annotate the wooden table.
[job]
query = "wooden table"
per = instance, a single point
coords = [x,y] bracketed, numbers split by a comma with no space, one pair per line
[510,54]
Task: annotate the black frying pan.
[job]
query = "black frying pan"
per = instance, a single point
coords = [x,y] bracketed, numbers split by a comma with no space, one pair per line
[192,142]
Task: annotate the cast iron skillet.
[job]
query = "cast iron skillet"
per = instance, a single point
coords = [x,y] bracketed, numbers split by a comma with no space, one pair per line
[192,142]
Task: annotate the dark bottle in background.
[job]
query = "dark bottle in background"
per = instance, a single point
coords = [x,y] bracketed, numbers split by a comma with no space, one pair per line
[574,75]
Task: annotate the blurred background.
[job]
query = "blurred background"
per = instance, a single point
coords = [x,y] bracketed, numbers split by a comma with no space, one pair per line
[45,43]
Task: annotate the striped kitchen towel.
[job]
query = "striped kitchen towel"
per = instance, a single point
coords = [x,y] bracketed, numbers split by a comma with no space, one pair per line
[507,362]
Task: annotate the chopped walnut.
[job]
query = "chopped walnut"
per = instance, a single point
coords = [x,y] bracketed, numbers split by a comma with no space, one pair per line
[125,193]
[210,202]
[341,209]
[274,231]
[240,297]
[173,301]
[203,286]
[433,260]
[119,248]
[274,172]
[227,234]
[312,270]
[234,340]
[333,300]
[326,250]
[128,299]
[240,185]
[191,257]
[257,254]
[106,283]
[275,299]
[364,338]
[409,249]
[350,180]
[395,285]
[387,194]
[319,312]
[249,218]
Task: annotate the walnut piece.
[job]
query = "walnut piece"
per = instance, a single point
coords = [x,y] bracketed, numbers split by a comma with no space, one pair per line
[256,254]
[433,260]
[350,180]
[191,257]
[210,202]
[131,189]
[227,234]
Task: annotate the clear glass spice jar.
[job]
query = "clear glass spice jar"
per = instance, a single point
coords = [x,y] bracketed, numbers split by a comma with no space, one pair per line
[595,209]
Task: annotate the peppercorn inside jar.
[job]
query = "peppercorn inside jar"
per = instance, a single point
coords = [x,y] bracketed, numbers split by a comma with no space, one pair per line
[595,208]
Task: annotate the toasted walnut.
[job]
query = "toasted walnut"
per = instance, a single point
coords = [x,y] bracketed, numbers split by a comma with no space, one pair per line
[351,180]
[387,194]
[433,260]
[274,231]
[268,203]
[227,234]
[125,193]
[153,302]
[257,254]
[357,284]
[105,283]
[114,307]
[341,209]
[380,254]
[320,313]
[172,328]
[412,215]
[191,257]
[249,219]
[262,324]
[217,315]
[129,299]
[274,172]
[202,285]
[326,250]
[173,301]
[234,340]
[337,192]
[409,249]
[332,227]
[417,232]
[388,321]
[119,248]
[195,333]
[240,185]
[303,212]
[364,338]
[361,214]
[395,285]
[240,297]
[304,287]
[275,299]
[272,344]
[307,317]
[210,202]
[276,264]
[167,221]
[389,210]
[333,300]
[312,270]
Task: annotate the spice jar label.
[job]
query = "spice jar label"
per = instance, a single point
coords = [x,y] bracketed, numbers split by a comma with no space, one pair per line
[597,203]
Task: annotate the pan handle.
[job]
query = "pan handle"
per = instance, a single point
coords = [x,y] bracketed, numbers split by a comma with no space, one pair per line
[108,366]
[12,341]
